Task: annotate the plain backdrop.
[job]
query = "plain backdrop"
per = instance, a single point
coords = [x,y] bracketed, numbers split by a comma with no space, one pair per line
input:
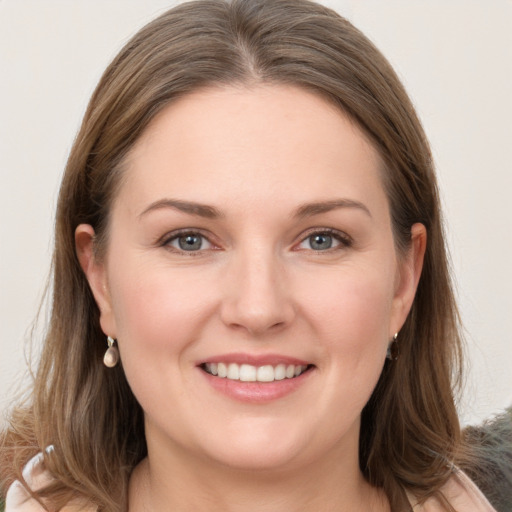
[455,58]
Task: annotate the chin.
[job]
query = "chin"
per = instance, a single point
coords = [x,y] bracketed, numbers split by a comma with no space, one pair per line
[259,446]
[259,459]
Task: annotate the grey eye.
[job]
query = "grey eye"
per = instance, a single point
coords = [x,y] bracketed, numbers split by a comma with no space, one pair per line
[320,241]
[324,241]
[190,242]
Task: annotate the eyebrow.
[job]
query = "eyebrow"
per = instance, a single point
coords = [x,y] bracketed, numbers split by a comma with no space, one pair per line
[310,209]
[192,208]
[210,212]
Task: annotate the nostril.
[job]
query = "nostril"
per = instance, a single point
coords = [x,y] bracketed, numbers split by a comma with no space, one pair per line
[256,299]
[260,328]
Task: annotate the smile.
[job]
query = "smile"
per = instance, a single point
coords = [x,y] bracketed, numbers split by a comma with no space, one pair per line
[250,373]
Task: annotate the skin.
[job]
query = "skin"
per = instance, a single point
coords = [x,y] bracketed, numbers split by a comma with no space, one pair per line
[257,285]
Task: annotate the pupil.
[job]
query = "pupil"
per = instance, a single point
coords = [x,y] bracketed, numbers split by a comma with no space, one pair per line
[190,242]
[321,242]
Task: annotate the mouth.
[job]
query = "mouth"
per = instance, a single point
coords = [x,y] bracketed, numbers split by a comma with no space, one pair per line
[250,373]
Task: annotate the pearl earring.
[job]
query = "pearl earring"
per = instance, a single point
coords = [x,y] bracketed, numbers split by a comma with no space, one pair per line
[111,357]
[393,352]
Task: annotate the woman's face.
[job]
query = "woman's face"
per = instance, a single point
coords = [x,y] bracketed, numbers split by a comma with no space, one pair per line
[251,236]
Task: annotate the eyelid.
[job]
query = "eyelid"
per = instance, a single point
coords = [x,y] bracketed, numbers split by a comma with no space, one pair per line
[342,237]
[165,240]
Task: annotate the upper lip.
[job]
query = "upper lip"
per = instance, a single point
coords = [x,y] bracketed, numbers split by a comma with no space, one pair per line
[255,359]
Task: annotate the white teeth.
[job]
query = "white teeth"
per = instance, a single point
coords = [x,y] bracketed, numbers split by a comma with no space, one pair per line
[233,371]
[222,370]
[280,372]
[249,373]
[265,374]
[212,368]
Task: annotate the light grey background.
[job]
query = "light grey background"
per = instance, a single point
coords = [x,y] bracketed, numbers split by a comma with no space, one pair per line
[455,57]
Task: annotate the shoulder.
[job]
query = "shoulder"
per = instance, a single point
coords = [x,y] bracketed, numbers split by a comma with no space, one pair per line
[18,498]
[462,494]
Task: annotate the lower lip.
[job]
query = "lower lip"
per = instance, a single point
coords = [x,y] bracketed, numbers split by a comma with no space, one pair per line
[256,392]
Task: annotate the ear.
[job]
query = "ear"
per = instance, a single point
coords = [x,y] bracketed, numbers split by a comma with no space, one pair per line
[409,273]
[96,275]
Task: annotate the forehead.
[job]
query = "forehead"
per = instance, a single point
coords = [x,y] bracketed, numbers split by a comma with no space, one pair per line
[221,143]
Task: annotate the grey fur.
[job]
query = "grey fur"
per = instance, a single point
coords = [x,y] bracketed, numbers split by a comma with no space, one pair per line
[491,467]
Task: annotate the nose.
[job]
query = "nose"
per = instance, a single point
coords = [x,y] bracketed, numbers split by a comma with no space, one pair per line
[257,298]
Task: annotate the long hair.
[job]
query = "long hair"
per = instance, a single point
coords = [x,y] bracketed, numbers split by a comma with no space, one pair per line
[409,431]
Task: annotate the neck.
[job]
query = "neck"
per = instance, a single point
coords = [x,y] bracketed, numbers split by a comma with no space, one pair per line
[333,484]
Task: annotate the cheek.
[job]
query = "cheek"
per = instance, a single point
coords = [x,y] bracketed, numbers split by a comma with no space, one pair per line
[352,310]
[357,342]
[356,338]
[157,309]
[351,321]
[159,314]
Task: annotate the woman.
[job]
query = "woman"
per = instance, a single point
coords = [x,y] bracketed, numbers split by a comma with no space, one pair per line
[251,301]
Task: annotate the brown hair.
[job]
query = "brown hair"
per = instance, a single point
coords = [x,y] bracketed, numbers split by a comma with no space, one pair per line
[410,430]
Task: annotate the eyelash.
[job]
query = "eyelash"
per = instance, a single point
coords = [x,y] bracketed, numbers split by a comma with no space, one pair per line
[175,235]
[344,240]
